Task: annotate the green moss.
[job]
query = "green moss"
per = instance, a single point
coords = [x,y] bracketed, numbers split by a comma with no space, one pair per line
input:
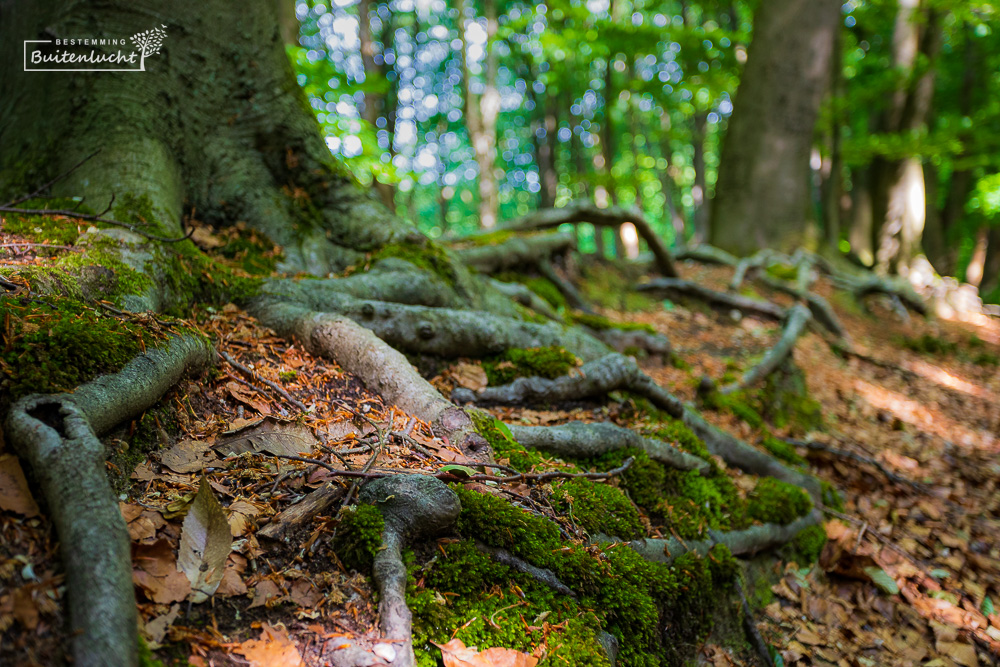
[808,545]
[783,271]
[986,359]
[927,344]
[782,450]
[831,497]
[359,536]
[601,323]
[737,404]
[146,658]
[545,289]
[502,442]
[645,480]
[785,401]
[598,507]
[695,504]
[607,286]
[44,228]
[634,599]
[546,362]
[57,345]
[495,237]
[676,433]
[774,501]
[250,250]
[287,376]
[428,255]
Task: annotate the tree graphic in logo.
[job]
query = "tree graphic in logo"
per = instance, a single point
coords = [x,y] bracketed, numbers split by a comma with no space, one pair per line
[148,42]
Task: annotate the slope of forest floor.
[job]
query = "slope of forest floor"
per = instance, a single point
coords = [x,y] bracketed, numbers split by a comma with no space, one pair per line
[909,575]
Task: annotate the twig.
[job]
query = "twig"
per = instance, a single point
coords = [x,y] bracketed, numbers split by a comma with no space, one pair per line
[254,376]
[750,625]
[450,477]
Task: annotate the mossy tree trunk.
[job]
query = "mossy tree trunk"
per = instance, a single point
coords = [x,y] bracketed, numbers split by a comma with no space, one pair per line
[216,124]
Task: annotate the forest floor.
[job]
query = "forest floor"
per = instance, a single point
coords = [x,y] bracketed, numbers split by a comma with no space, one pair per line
[909,575]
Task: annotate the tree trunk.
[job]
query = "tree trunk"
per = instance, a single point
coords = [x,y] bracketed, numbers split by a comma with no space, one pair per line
[833,183]
[246,147]
[762,193]
[900,198]
[699,192]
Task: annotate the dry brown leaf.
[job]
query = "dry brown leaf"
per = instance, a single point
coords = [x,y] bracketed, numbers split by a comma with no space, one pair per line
[304,594]
[14,493]
[470,376]
[155,572]
[264,592]
[188,456]
[249,397]
[156,629]
[273,649]
[268,435]
[456,654]
[963,654]
[231,584]
[205,544]
[240,514]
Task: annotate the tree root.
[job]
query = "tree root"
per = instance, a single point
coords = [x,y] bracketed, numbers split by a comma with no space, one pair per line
[612,216]
[565,287]
[539,574]
[798,318]
[687,288]
[412,506]
[56,435]
[618,373]
[524,296]
[382,368]
[579,440]
[746,542]
[707,254]
[442,332]
[516,252]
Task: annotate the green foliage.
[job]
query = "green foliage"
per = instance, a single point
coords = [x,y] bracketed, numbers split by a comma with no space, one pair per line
[774,501]
[598,508]
[287,376]
[831,496]
[601,323]
[146,657]
[782,450]
[547,362]
[359,536]
[808,545]
[57,345]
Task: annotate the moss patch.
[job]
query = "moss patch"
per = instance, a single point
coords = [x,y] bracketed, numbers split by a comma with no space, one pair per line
[601,323]
[546,362]
[808,545]
[57,345]
[598,508]
[429,256]
[359,536]
[927,344]
[773,501]
[782,450]
[502,442]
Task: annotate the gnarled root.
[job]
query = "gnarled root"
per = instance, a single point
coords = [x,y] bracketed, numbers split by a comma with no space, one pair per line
[412,506]
[795,326]
[57,436]
[518,251]
[579,440]
[745,305]
[616,372]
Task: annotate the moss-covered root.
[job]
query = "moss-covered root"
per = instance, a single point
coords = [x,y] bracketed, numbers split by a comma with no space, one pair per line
[56,436]
[693,290]
[616,372]
[584,441]
[744,542]
[524,296]
[382,368]
[627,341]
[795,325]
[412,506]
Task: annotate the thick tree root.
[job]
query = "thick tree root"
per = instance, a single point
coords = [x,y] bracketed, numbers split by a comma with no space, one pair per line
[413,506]
[524,296]
[798,318]
[517,252]
[601,217]
[540,575]
[745,542]
[56,435]
[580,440]
[441,332]
[382,368]
[745,305]
[625,340]
[618,373]
[565,287]
[707,254]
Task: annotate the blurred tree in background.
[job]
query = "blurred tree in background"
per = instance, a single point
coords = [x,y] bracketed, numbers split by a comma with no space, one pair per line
[470,113]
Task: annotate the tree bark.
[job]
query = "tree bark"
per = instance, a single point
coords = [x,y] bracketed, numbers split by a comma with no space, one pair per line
[762,193]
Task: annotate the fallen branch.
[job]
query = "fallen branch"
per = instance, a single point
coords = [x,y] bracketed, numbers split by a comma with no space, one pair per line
[798,319]
[707,254]
[57,436]
[516,252]
[687,288]
[612,216]
[579,440]
[847,454]
[276,388]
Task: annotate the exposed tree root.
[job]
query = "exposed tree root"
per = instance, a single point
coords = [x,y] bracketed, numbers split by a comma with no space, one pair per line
[619,373]
[57,436]
[413,506]
[517,252]
[625,340]
[539,574]
[383,369]
[565,287]
[745,542]
[795,326]
[579,440]
[524,296]
[687,288]
[442,332]
[707,254]
[601,217]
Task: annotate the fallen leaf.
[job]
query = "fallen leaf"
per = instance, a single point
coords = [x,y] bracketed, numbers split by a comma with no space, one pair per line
[881,578]
[269,435]
[248,396]
[240,514]
[14,493]
[157,628]
[231,584]
[264,592]
[155,572]
[470,376]
[456,654]
[304,594]
[273,649]
[205,544]
[188,456]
